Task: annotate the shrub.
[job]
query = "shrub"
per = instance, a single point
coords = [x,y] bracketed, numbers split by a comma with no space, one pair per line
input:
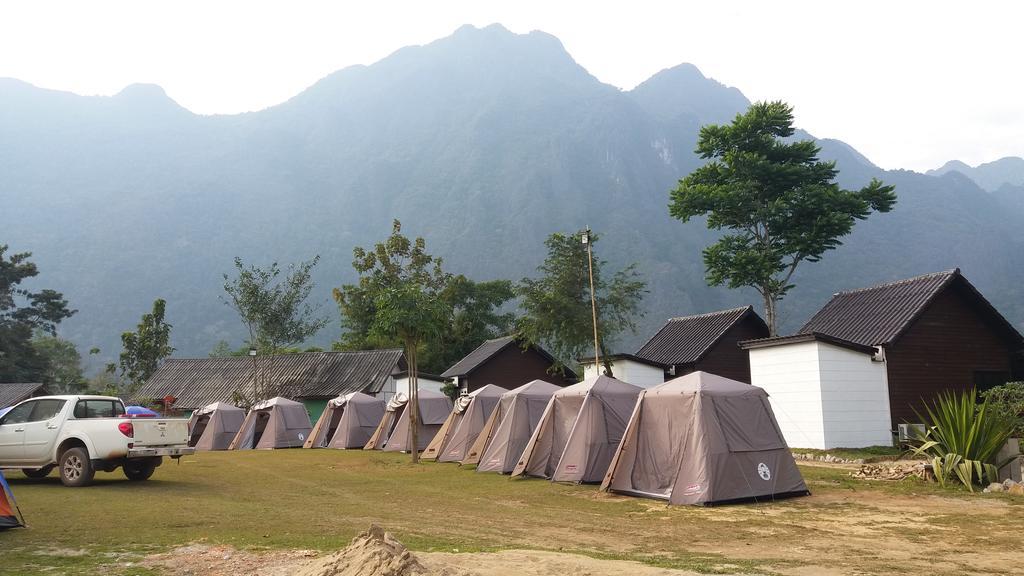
[1008,400]
[962,438]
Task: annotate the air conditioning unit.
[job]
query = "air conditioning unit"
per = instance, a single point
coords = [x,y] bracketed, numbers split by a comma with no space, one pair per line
[910,432]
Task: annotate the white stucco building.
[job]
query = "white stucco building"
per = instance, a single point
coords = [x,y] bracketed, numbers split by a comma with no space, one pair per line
[627,368]
[826,392]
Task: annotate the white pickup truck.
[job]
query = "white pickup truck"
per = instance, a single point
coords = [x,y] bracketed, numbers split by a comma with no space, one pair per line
[82,434]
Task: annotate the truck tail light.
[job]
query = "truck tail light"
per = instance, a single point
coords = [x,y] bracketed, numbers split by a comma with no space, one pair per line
[127,429]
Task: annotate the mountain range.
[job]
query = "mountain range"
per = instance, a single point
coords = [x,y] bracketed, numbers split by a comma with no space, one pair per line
[483,142]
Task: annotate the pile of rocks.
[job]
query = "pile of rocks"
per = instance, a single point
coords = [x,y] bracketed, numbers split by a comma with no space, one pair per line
[1008,486]
[920,470]
[825,458]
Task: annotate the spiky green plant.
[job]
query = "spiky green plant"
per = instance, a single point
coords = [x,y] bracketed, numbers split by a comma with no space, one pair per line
[962,438]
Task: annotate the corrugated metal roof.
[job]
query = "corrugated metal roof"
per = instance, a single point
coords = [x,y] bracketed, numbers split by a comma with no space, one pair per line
[196,382]
[686,339]
[11,394]
[478,356]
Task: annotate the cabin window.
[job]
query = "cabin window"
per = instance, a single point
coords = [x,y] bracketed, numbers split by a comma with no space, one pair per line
[986,379]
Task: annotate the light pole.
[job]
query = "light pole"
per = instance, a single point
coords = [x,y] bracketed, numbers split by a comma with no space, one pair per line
[255,393]
[593,299]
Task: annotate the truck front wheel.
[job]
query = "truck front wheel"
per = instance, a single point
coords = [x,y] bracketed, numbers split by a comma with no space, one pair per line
[138,471]
[76,468]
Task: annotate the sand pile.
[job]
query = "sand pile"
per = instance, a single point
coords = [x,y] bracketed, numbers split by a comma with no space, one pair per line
[372,553]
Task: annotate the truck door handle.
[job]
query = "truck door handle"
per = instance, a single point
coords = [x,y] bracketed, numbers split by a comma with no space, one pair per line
[19,429]
[51,426]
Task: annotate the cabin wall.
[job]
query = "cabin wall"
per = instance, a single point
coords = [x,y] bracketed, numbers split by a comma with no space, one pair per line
[314,408]
[510,368]
[824,396]
[854,398]
[726,358]
[790,376]
[944,349]
[635,373]
[401,384]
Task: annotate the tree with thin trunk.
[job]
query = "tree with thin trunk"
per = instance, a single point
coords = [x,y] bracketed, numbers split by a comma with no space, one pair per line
[404,285]
[145,348]
[777,200]
[557,307]
[276,313]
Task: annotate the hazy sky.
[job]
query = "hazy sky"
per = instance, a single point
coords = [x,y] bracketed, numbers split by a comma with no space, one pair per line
[910,84]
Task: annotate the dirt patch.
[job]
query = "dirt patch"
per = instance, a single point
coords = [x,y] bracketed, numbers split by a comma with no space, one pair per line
[372,553]
[196,559]
[377,553]
[537,563]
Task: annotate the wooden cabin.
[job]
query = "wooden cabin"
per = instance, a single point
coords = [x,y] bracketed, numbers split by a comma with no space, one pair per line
[505,363]
[708,342]
[869,358]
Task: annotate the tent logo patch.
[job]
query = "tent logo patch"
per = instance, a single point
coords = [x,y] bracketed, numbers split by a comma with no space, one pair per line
[764,472]
[692,489]
[570,468]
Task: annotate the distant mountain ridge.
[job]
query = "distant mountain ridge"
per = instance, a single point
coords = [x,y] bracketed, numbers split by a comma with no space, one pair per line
[990,175]
[483,142]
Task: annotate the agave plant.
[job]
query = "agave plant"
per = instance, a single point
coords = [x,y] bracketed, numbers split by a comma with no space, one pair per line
[962,438]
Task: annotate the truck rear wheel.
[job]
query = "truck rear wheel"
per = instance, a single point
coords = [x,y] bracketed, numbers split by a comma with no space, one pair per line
[76,468]
[138,471]
[37,473]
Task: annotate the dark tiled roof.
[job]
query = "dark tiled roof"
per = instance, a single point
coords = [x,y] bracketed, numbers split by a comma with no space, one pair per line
[196,382]
[481,354]
[488,350]
[586,360]
[881,314]
[11,394]
[685,340]
[808,337]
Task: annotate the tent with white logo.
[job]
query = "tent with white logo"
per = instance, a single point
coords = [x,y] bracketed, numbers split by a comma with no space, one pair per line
[465,422]
[213,427]
[275,423]
[348,421]
[506,433]
[434,409]
[579,431]
[704,439]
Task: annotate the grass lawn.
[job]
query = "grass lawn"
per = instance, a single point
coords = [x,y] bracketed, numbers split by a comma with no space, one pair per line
[320,499]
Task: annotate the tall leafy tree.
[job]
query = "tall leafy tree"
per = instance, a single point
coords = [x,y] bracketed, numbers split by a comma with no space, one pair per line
[473,312]
[146,347]
[403,284]
[273,306]
[22,313]
[63,374]
[778,202]
[557,308]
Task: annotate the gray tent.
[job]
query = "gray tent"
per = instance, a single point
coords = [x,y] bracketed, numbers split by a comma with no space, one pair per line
[347,421]
[275,423]
[213,427]
[501,442]
[387,422]
[434,408]
[467,419]
[704,439]
[579,431]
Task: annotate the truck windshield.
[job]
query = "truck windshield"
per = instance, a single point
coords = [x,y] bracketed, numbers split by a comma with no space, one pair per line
[99,409]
